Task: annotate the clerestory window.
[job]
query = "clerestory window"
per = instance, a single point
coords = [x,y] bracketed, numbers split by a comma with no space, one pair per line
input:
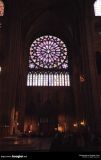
[97,8]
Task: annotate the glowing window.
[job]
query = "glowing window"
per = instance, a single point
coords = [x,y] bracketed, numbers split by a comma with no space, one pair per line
[97,8]
[48,63]
[1,8]
[48,52]
[62,79]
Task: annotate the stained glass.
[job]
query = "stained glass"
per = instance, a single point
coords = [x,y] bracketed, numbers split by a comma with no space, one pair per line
[1,8]
[48,52]
[97,8]
[28,78]
[56,79]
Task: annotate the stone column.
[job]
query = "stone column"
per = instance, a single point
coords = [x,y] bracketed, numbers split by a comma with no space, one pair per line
[90,90]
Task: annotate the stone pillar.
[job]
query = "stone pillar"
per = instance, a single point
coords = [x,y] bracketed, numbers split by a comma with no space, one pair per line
[14,67]
[90,90]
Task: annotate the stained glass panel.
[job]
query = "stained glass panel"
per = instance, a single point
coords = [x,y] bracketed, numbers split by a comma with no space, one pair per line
[97,8]
[48,52]
[62,79]
[1,8]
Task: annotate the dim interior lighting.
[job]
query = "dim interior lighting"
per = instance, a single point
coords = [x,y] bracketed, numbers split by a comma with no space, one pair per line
[82,78]
[83,123]
[29,131]
[99,33]
[60,129]
[0,69]
[55,129]
[16,142]
[6,126]
[0,25]
[75,125]
[17,124]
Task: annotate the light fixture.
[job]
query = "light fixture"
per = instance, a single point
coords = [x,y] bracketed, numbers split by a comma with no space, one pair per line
[17,124]
[83,123]
[29,131]
[82,78]
[0,69]
[75,125]
[60,129]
